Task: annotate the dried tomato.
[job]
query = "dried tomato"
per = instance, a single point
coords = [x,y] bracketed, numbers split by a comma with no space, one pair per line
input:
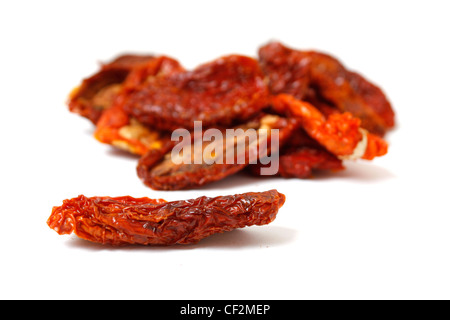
[314,76]
[216,93]
[97,92]
[127,220]
[160,171]
[340,133]
[117,128]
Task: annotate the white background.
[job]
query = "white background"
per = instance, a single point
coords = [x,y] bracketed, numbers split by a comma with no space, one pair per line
[379,230]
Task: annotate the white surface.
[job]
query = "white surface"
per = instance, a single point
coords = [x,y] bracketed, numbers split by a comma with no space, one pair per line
[379,230]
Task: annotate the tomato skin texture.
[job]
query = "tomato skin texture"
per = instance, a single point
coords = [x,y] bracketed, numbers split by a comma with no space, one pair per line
[216,93]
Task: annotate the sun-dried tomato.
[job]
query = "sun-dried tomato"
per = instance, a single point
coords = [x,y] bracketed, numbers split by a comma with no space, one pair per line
[159,171]
[97,92]
[314,76]
[117,128]
[127,220]
[217,93]
[340,133]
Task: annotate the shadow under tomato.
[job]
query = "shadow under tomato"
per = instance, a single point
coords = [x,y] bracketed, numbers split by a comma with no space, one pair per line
[114,152]
[238,179]
[252,237]
[357,171]
[354,171]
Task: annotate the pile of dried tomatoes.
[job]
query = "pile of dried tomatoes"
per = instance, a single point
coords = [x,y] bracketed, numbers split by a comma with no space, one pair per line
[324,114]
